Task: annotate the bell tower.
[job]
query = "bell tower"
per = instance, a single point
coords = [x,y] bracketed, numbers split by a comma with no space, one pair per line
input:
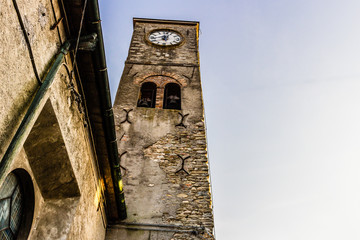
[159,118]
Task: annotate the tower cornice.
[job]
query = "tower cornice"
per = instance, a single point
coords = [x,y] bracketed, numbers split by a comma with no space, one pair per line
[165,21]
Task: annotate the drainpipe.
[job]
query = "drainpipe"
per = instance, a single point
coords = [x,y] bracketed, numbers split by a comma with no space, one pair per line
[109,123]
[31,115]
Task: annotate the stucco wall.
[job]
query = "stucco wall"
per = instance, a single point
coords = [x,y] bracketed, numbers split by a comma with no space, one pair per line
[55,217]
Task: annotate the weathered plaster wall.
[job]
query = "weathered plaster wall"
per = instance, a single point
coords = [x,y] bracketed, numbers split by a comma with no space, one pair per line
[88,219]
[160,188]
[78,217]
[18,82]
[151,145]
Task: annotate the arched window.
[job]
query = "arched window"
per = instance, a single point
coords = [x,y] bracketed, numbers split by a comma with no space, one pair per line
[172,96]
[147,95]
[11,207]
[16,205]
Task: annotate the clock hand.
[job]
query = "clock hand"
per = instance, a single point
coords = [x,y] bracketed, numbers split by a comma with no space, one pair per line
[161,37]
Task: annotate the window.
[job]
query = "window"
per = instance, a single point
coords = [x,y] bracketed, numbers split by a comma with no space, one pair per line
[147,95]
[16,205]
[172,96]
[11,207]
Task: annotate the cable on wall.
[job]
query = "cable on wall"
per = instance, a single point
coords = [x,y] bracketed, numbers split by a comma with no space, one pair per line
[27,41]
[79,33]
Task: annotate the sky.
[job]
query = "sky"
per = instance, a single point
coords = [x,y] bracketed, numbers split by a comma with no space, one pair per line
[281,86]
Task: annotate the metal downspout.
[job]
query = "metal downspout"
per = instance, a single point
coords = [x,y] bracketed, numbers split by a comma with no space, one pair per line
[109,123]
[31,115]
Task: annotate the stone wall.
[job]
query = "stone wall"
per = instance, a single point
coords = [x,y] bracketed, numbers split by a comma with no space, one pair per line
[160,187]
[144,52]
[183,157]
[59,213]
[163,152]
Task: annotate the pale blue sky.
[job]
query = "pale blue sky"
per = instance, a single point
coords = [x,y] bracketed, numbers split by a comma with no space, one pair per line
[281,82]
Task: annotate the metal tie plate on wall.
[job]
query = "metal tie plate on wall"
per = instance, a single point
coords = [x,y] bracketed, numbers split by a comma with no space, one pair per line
[127,116]
[182,164]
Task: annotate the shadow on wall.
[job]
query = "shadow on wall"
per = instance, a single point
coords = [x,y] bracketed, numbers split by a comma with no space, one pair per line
[51,166]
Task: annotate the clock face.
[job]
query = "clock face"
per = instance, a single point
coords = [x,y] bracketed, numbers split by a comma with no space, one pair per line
[165,38]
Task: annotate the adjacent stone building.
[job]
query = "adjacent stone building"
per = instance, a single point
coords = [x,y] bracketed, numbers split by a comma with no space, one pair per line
[64,147]
[58,151]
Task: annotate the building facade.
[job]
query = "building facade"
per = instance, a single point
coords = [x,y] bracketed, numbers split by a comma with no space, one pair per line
[159,116]
[58,172]
[64,147]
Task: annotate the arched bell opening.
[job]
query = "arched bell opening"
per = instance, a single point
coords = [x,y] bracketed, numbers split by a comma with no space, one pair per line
[172,96]
[147,96]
